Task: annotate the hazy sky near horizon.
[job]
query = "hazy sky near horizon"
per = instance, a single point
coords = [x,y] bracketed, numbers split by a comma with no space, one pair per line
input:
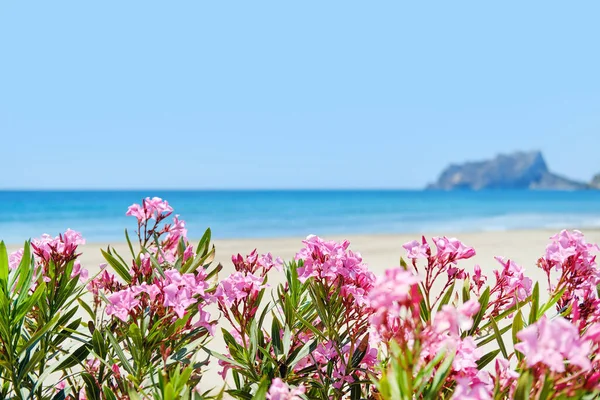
[274,94]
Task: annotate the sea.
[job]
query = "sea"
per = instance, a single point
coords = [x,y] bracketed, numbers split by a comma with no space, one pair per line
[100,215]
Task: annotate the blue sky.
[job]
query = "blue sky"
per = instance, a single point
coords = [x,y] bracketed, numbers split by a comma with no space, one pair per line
[312,94]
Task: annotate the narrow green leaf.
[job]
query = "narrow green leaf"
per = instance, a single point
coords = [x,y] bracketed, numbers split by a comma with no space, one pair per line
[483,303]
[553,300]
[75,358]
[535,300]
[261,392]
[276,336]
[120,354]
[517,325]
[499,337]
[446,299]
[486,359]
[3,263]
[523,386]
[121,270]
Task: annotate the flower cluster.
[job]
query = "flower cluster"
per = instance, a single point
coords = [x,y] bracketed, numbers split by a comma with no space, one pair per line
[574,260]
[448,252]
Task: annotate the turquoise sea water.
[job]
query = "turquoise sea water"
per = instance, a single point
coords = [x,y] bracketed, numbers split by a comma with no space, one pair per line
[100,215]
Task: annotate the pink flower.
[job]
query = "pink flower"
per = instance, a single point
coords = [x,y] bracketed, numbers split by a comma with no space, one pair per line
[238,286]
[15,259]
[279,390]
[469,388]
[566,244]
[511,284]
[478,278]
[466,355]
[78,271]
[456,320]
[137,211]
[204,321]
[116,371]
[150,209]
[188,253]
[395,287]
[121,303]
[505,376]
[178,298]
[452,249]
[552,343]
[415,249]
[92,365]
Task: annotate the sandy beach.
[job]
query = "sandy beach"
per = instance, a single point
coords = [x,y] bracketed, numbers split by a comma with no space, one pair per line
[378,251]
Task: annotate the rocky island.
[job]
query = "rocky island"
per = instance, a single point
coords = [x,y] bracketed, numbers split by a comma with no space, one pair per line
[520,170]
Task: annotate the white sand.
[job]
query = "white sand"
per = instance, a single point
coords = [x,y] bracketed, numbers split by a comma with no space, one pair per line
[379,252]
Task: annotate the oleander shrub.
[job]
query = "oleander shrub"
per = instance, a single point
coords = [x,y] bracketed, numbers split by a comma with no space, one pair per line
[319,326]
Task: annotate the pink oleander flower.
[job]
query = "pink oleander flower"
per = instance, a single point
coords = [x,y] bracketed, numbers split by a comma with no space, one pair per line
[238,286]
[467,354]
[178,298]
[78,271]
[511,286]
[505,376]
[478,278]
[479,387]
[121,303]
[116,370]
[332,263]
[150,209]
[15,259]
[92,365]
[455,320]
[551,343]
[566,244]
[414,249]
[188,253]
[452,249]
[396,287]
[279,390]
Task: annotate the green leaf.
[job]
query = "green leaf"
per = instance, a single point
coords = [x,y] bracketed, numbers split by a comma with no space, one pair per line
[486,359]
[517,325]
[91,389]
[204,243]
[99,344]
[275,336]
[535,300]
[499,337]
[447,296]
[490,338]
[3,263]
[523,386]
[119,269]
[129,244]
[120,354]
[433,391]
[75,358]
[261,392]
[483,303]
[108,393]
[466,291]
[287,340]
[38,334]
[300,353]
[553,300]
